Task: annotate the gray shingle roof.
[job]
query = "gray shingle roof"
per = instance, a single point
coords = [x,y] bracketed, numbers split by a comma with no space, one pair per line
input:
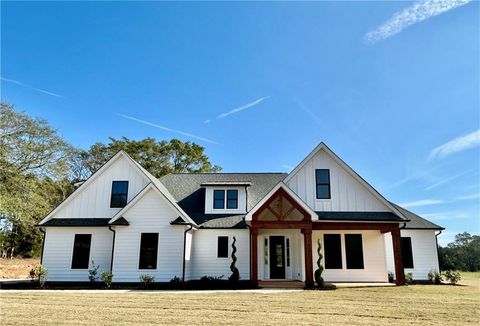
[417,222]
[186,189]
[359,216]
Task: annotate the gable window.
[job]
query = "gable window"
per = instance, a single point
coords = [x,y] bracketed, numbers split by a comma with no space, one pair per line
[333,251]
[81,251]
[232,199]
[148,251]
[322,181]
[119,194]
[406,249]
[222,247]
[354,251]
[219,199]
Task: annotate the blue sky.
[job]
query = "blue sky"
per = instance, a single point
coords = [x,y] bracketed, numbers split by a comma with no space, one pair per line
[391,87]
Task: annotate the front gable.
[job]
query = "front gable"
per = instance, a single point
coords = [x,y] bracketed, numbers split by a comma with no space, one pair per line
[348,191]
[92,198]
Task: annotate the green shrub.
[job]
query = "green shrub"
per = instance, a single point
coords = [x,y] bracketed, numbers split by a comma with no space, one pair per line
[235,274]
[39,273]
[391,279]
[147,279]
[319,270]
[408,278]
[207,278]
[176,280]
[435,277]
[93,273]
[107,278]
[452,277]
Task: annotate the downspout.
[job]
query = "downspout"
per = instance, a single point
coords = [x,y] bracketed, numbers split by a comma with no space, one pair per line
[438,254]
[185,249]
[250,247]
[113,248]
[43,244]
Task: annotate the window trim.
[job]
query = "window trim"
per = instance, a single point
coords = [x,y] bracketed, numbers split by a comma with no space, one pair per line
[409,239]
[227,199]
[73,251]
[112,194]
[223,199]
[340,251]
[322,184]
[218,246]
[346,251]
[140,252]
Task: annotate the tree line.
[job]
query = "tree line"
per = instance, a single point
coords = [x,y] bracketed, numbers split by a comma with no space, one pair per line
[462,254]
[39,169]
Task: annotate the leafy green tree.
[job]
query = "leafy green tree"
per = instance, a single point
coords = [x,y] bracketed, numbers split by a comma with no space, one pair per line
[158,157]
[461,254]
[34,171]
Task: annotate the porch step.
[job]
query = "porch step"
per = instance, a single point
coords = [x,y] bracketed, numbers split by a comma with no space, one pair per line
[281,284]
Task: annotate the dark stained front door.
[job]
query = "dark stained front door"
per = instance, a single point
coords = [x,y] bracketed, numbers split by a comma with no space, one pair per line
[277,257]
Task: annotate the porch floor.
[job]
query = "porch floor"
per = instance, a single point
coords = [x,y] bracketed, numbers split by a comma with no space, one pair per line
[287,284]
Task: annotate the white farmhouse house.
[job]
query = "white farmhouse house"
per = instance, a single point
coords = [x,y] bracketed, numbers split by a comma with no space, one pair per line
[131,223]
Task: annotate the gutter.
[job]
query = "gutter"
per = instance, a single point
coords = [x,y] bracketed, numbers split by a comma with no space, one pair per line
[43,244]
[113,248]
[185,249]
[438,254]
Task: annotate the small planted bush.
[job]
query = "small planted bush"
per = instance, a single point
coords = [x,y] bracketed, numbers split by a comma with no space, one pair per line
[319,270]
[107,278]
[391,279]
[452,277]
[93,273]
[435,277]
[408,278]
[147,280]
[235,274]
[176,280]
[39,273]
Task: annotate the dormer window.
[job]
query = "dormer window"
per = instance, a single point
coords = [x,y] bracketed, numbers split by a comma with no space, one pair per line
[119,194]
[322,181]
[232,199]
[219,199]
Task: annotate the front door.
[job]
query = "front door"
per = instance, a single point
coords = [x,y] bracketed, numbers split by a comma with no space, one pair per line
[277,257]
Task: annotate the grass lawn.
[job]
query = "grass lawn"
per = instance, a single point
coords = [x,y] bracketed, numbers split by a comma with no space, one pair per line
[418,304]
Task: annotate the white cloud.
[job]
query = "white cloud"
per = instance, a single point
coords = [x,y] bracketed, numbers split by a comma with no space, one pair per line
[168,129]
[416,13]
[16,82]
[287,167]
[445,216]
[456,145]
[207,121]
[423,202]
[446,180]
[468,197]
[244,107]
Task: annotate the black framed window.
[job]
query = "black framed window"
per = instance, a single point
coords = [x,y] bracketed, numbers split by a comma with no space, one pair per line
[219,199]
[407,255]
[354,251]
[322,181]
[232,199]
[119,194]
[148,251]
[222,247]
[332,248]
[81,251]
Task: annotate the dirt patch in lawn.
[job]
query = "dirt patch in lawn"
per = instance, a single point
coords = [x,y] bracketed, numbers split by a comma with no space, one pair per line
[17,267]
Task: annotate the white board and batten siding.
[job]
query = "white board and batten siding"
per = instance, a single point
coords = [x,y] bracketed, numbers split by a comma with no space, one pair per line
[58,251]
[347,193]
[204,260]
[93,201]
[151,214]
[375,267]
[424,252]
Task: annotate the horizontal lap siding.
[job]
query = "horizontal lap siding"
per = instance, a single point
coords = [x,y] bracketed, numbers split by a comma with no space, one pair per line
[424,251]
[58,250]
[151,214]
[204,259]
[375,269]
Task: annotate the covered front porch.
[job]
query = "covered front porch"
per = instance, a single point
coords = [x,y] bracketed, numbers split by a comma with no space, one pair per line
[285,234]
